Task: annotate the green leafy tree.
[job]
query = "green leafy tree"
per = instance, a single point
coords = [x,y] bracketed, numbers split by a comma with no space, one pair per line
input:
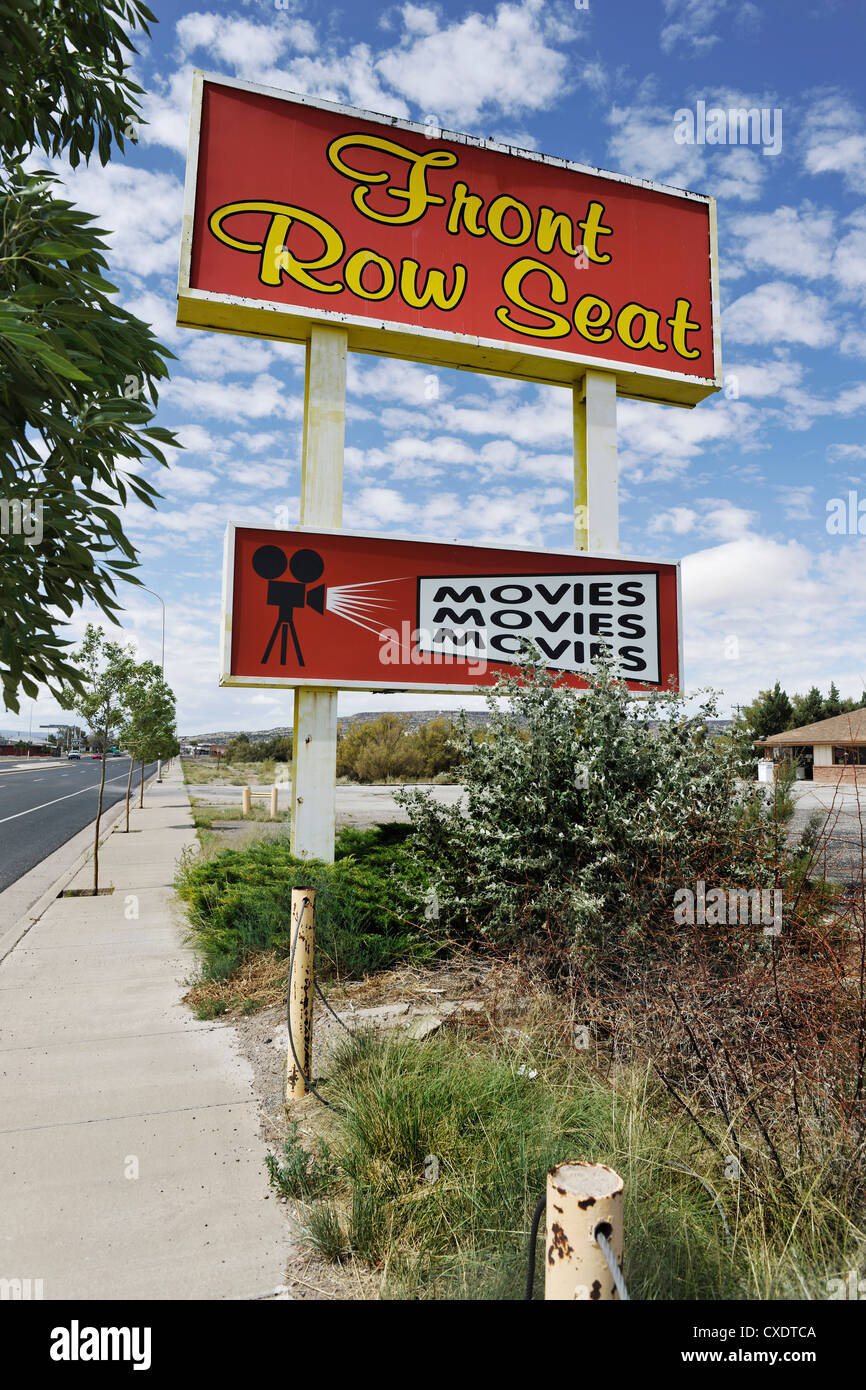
[239,749]
[438,753]
[78,373]
[105,671]
[149,731]
[378,750]
[242,749]
[279,748]
[385,749]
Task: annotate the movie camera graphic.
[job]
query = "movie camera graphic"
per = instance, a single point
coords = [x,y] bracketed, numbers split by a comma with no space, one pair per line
[355,603]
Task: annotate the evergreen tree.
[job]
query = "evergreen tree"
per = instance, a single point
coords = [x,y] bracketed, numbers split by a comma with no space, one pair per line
[807,709]
[832,704]
[770,713]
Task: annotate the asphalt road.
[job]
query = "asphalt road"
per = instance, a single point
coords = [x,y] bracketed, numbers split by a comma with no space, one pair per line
[43,803]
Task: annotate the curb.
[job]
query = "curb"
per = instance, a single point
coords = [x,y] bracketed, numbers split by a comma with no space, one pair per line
[11,937]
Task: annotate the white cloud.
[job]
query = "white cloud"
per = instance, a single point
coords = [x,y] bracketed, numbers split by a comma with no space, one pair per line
[505,62]
[500,515]
[788,241]
[239,42]
[264,476]
[690,25]
[186,482]
[217,354]
[516,139]
[836,140]
[778,312]
[197,440]
[642,144]
[718,519]
[165,109]
[334,75]
[797,502]
[777,378]
[265,396]
[286,53]
[774,597]
[118,194]
[380,507]
[548,419]
[836,453]
[392,380]
[679,520]
[188,527]
[737,173]
[658,442]
[805,242]
[849,260]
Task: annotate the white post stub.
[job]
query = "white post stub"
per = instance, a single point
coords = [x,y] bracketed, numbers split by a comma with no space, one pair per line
[580,1198]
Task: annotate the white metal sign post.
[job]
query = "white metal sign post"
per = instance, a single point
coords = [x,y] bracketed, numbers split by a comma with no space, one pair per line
[314,739]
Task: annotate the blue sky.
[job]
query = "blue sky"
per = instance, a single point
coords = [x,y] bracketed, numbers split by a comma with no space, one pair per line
[737,488]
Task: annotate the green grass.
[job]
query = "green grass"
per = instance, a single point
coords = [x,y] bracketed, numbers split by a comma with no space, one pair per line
[297,1173]
[495,1132]
[209,1009]
[324,1232]
[239,903]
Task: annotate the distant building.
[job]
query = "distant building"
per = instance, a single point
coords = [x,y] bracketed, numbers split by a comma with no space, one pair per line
[832,750]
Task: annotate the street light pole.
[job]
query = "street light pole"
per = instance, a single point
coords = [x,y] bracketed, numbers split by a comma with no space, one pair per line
[162,663]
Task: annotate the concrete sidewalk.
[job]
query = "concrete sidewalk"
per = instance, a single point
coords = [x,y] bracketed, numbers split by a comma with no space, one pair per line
[130,1160]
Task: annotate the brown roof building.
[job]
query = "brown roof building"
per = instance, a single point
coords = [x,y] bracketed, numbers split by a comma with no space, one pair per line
[835,748]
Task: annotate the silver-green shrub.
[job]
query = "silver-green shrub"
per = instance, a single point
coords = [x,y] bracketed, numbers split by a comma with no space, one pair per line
[583,814]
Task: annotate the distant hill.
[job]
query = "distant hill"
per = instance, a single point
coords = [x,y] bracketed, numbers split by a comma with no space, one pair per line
[477,719]
[416,718]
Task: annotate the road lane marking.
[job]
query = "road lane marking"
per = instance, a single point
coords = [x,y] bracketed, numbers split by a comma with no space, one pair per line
[80,792]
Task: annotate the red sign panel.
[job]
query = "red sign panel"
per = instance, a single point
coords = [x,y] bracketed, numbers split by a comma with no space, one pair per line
[334,609]
[441,248]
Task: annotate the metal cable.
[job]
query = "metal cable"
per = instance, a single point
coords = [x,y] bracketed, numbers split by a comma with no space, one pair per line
[615,1272]
[681,1167]
[533,1240]
[331,1011]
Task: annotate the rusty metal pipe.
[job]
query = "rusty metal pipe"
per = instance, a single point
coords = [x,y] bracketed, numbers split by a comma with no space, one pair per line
[581,1197]
[299,1061]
